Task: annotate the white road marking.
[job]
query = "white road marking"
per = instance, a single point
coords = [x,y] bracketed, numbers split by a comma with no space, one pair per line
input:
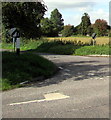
[48,97]
[55,96]
[27,102]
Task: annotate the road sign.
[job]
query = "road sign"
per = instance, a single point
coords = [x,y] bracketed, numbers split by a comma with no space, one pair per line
[16,39]
[94,35]
[12,31]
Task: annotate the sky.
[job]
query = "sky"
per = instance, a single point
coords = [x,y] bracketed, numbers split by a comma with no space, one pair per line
[73,10]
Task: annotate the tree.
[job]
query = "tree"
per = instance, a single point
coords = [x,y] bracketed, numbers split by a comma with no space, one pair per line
[25,16]
[57,21]
[90,30]
[68,30]
[85,23]
[46,27]
[77,30]
[100,27]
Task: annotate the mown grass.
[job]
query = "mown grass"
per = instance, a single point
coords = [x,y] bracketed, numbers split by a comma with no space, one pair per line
[24,67]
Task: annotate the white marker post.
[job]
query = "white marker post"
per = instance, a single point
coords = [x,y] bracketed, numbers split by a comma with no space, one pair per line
[94,36]
[18,46]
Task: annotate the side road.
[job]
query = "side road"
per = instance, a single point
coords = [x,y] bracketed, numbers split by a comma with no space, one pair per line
[79,90]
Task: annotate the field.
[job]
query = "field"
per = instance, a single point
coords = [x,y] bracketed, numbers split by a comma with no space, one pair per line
[83,40]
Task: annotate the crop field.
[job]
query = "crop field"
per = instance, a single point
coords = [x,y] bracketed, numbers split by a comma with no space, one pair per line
[81,40]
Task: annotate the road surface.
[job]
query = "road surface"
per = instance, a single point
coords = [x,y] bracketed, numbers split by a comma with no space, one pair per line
[79,90]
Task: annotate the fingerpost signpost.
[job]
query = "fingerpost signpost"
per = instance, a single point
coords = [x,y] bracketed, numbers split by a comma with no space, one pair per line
[14,33]
[94,37]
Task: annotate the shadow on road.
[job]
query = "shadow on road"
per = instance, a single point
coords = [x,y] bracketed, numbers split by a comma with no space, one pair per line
[77,71]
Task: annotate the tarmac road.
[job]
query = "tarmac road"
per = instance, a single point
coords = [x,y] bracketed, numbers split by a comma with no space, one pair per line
[79,90]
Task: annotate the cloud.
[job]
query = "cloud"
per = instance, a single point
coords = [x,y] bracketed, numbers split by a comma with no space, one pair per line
[66,7]
[99,14]
[72,11]
[64,4]
[73,20]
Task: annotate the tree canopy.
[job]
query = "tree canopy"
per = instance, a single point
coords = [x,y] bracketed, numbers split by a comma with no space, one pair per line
[85,23]
[100,27]
[46,27]
[68,30]
[25,16]
[57,21]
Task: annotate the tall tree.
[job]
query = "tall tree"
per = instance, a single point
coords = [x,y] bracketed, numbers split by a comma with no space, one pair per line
[25,16]
[100,27]
[46,27]
[57,21]
[85,23]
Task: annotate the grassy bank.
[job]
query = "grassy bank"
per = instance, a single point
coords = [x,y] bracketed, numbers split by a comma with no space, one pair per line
[26,67]
[72,49]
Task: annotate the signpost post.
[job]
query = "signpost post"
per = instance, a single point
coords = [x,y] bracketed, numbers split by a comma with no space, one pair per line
[16,39]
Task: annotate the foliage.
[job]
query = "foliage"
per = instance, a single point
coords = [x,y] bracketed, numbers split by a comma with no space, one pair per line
[68,30]
[25,16]
[100,27]
[46,27]
[26,67]
[90,30]
[77,30]
[57,22]
[5,37]
[85,23]
[52,27]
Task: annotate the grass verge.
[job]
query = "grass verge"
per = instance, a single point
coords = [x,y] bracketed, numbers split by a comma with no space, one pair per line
[25,67]
[93,50]
[33,44]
